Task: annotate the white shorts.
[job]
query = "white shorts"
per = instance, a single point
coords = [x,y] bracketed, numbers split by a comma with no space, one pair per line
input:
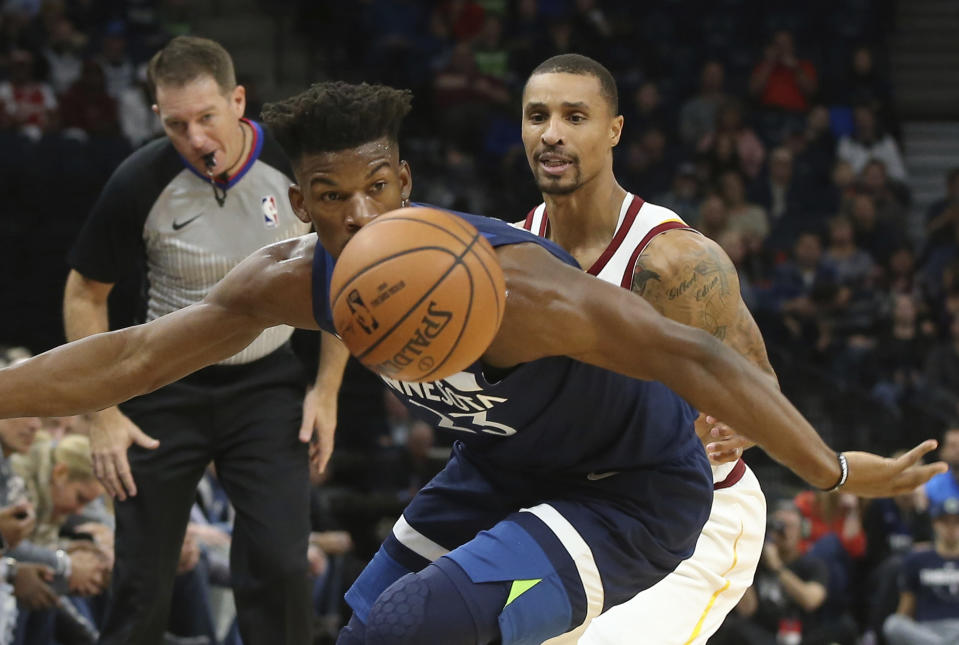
[688,606]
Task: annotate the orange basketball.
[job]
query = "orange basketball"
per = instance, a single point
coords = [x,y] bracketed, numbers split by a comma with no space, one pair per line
[417,294]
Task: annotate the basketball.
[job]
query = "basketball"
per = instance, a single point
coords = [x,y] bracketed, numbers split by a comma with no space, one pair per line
[417,294]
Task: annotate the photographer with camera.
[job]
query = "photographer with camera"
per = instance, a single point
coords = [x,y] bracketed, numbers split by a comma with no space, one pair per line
[781,606]
[782,80]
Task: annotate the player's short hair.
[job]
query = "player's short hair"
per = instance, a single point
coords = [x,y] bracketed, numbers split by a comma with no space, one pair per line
[333,116]
[186,58]
[586,66]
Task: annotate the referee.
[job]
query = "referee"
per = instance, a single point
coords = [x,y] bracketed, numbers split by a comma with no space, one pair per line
[179,213]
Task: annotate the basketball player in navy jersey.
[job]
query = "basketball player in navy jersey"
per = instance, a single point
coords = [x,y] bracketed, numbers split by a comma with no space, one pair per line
[570,125]
[579,479]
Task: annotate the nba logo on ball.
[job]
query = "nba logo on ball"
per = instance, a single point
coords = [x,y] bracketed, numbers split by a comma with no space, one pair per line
[271,213]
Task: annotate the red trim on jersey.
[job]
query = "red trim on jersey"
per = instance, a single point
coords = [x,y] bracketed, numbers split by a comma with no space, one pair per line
[528,224]
[631,213]
[733,477]
[656,230]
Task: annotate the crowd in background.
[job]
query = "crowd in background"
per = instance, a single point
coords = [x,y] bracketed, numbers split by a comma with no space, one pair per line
[770,127]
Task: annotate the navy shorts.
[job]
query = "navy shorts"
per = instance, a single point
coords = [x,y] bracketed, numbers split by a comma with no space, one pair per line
[570,549]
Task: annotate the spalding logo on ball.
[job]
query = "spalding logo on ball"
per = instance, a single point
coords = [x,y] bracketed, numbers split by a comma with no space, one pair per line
[418,294]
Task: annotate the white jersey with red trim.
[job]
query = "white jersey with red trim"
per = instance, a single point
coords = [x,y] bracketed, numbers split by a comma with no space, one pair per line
[639,222]
[688,605]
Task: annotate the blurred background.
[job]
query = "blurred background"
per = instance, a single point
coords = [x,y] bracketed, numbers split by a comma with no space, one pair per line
[817,141]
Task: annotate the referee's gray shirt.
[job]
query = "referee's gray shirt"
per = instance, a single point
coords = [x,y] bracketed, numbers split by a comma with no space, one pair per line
[157,219]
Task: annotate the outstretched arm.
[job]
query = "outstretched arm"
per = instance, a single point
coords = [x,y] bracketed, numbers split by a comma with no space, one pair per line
[689,278]
[554,309]
[106,369]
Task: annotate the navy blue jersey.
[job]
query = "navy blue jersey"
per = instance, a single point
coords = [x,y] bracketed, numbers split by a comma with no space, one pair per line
[554,415]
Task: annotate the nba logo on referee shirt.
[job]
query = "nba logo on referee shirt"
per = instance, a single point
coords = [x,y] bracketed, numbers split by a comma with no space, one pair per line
[270,212]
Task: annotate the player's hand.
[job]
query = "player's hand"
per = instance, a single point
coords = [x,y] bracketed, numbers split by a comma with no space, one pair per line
[874,476]
[17,522]
[723,445]
[111,434]
[31,586]
[319,426]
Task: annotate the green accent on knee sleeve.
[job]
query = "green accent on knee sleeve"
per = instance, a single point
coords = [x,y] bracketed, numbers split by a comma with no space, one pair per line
[519,588]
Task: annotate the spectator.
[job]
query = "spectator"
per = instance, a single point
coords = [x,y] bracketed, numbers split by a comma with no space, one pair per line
[118,69]
[592,28]
[815,154]
[87,106]
[60,484]
[789,588]
[63,55]
[463,17]
[894,525]
[864,85]
[463,97]
[646,165]
[946,485]
[778,192]
[800,290]
[491,54]
[832,513]
[890,197]
[747,218]
[713,218]
[26,103]
[928,611]
[942,373]
[137,121]
[735,247]
[525,36]
[697,117]
[646,110]
[869,141]
[878,237]
[900,354]
[899,274]
[853,267]
[683,197]
[943,214]
[782,80]
[732,145]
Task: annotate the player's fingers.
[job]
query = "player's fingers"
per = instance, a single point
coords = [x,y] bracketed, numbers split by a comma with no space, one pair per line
[721,431]
[914,455]
[918,475]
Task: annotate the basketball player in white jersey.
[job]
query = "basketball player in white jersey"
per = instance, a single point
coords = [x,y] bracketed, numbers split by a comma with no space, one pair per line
[570,126]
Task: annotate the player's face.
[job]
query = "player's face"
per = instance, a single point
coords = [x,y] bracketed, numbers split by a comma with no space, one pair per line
[340,192]
[569,131]
[199,119]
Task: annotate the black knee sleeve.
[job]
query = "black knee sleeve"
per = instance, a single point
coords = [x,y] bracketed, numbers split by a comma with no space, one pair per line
[439,604]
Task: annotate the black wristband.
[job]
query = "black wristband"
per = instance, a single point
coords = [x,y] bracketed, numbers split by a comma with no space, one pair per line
[843,473]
